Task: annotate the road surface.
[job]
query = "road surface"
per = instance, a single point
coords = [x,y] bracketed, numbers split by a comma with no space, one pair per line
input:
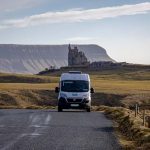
[52,130]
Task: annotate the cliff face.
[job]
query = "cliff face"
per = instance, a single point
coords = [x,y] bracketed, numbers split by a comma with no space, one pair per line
[35,58]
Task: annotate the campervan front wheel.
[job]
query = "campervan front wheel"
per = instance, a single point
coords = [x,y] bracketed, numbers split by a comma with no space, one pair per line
[60,109]
[88,109]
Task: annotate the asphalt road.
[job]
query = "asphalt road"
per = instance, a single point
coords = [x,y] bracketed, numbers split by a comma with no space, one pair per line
[52,130]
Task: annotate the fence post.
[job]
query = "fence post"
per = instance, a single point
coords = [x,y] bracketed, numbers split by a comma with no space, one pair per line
[148,121]
[143,117]
[136,109]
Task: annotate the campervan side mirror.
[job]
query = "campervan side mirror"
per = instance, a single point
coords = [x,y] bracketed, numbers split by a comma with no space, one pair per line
[92,90]
[56,89]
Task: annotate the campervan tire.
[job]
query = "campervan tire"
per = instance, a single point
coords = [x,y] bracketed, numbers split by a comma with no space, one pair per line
[88,109]
[60,109]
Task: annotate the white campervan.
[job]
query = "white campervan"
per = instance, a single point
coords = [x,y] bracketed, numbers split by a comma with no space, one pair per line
[74,91]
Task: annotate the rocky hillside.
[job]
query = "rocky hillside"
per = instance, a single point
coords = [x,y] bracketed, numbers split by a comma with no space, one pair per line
[35,58]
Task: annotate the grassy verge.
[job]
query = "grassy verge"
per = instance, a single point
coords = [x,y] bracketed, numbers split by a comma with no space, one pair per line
[133,136]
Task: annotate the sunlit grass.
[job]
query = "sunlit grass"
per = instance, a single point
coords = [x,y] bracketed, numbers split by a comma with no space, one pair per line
[120,86]
[109,81]
[23,78]
[20,86]
[99,84]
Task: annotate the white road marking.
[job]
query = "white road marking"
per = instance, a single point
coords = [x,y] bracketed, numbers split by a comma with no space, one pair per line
[48,118]
[36,126]
[35,119]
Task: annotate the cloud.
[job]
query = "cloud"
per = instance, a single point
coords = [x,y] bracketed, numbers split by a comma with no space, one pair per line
[80,15]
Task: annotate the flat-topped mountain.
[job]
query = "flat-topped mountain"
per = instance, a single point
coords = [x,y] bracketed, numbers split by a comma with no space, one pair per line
[35,58]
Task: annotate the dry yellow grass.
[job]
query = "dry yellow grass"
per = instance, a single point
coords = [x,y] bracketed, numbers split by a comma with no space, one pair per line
[20,78]
[21,86]
[120,86]
[127,87]
[108,84]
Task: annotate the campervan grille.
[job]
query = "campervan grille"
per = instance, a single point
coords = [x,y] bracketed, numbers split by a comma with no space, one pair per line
[77,100]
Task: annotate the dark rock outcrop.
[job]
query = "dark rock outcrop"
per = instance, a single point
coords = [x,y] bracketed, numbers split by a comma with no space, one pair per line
[76,57]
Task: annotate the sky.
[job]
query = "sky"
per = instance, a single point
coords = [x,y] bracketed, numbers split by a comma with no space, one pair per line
[122,27]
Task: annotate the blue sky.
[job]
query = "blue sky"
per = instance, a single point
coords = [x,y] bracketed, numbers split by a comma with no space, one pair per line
[122,27]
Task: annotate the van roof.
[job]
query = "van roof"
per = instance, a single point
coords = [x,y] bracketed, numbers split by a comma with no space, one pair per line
[71,76]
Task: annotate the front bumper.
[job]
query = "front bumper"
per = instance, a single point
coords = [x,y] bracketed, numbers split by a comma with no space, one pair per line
[73,103]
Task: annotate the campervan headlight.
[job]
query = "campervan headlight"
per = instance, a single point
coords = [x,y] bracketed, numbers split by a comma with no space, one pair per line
[63,95]
[86,96]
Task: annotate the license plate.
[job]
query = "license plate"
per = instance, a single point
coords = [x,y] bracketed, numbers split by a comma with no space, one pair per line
[74,105]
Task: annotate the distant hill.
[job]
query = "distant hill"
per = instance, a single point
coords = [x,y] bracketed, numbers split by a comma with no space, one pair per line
[35,58]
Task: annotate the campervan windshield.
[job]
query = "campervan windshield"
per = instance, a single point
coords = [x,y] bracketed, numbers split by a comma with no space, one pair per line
[74,86]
